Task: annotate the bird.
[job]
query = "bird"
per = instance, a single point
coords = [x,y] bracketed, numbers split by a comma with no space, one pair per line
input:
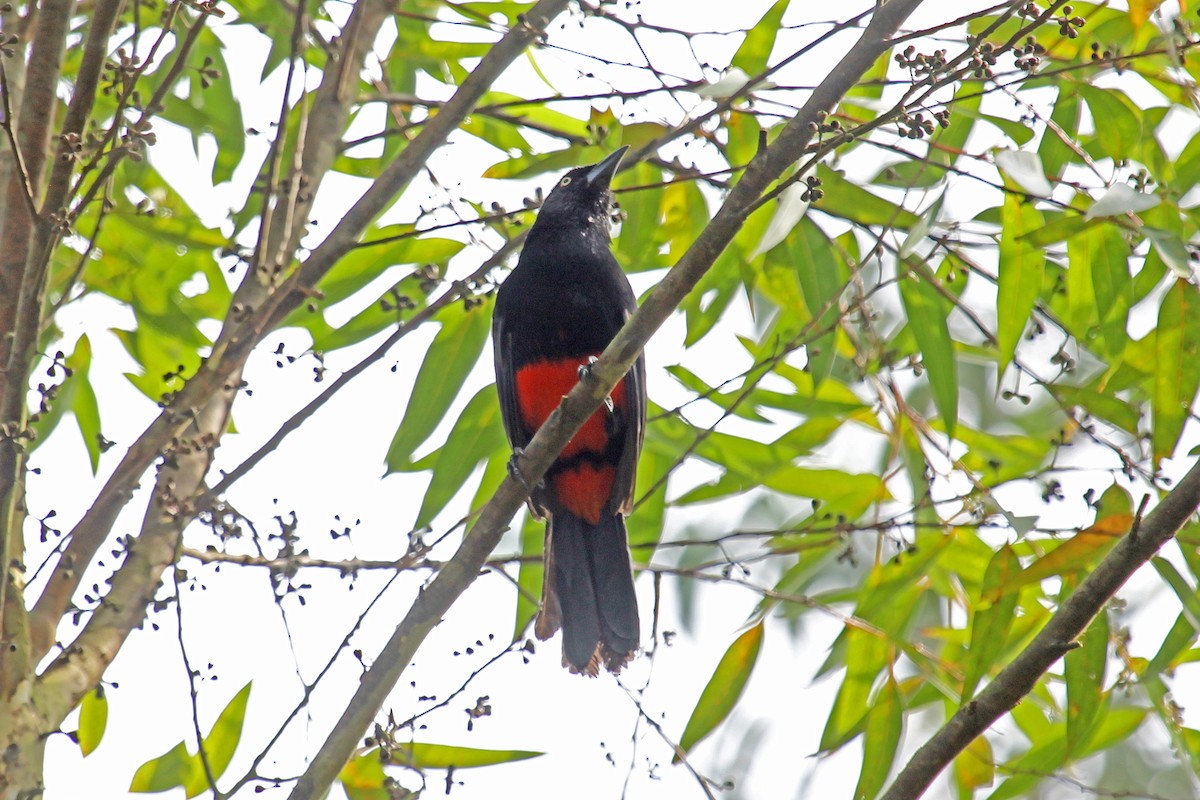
[554,314]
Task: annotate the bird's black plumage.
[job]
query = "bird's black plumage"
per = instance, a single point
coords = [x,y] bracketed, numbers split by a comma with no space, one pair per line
[564,301]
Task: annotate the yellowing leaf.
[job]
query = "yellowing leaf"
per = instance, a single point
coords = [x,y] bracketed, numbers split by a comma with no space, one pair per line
[363,778]
[975,766]
[93,718]
[723,689]
[444,756]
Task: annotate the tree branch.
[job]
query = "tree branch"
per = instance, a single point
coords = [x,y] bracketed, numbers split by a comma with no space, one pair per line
[585,397]
[397,175]
[223,368]
[1018,679]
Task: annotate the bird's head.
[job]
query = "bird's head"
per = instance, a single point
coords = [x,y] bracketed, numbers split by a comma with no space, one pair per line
[581,198]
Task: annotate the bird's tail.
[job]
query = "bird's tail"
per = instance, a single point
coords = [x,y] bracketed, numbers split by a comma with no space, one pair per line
[588,590]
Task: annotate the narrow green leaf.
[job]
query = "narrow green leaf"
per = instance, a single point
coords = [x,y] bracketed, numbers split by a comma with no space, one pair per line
[1099,288]
[645,527]
[752,56]
[363,778]
[1021,270]
[1084,670]
[1029,769]
[641,232]
[1054,152]
[927,311]
[1113,725]
[93,718]
[1181,636]
[884,726]
[449,360]
[723,689]
[220,743]
[1105,405]
[530,573]
[850,201]
[171,769]
[477,435]
[992,618]
[821,280]
[1186,594]
[444,756]
[1121,132]
[83,400]
[1176,368]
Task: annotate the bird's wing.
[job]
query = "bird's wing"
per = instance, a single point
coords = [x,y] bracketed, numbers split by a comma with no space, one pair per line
[634,429]
[506,381]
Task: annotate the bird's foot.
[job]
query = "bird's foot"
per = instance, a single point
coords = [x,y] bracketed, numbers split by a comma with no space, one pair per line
[585,370]
[514,469]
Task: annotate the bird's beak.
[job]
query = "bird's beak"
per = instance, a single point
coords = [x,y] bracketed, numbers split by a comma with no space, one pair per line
[603,173]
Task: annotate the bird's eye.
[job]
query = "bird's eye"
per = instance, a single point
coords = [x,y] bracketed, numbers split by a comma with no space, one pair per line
[565,181]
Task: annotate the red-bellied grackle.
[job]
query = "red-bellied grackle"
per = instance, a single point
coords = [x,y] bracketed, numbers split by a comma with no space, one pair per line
[560,307]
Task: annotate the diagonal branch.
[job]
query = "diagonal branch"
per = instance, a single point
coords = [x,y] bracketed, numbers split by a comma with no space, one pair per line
[586,396]
[223,368]
[243,332]
[1058,637]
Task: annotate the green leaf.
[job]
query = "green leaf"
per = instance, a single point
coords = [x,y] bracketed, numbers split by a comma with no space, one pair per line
[992,619]
[363,778]
[1113,725]
[179,768]
[477,435]
[93,718]
[1104,405]
[530,572]
[1177,366]
[221,742]
[83,401]
[1084,669]
[641,232]
[927,311]
[723,689]
[1099,288]
[1186,594]
[1021,270]
[975,766]
[821,279]
[171,769]
[752,56]
[1120,134]
[645,526]
[419,755]
[1054,152]
[885,722]
[447,362]
[850,201]
[75,394]
[1172,249]
[1038,763]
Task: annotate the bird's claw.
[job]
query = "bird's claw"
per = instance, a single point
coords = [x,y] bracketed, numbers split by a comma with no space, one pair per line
[514,469]
[584,373]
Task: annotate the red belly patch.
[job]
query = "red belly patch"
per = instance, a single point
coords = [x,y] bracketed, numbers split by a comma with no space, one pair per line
[542,386]
[584,489]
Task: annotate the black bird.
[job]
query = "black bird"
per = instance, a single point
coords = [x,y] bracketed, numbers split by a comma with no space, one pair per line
[560,307]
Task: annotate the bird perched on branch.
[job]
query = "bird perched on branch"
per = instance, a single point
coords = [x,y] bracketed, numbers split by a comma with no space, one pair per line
[560,307]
